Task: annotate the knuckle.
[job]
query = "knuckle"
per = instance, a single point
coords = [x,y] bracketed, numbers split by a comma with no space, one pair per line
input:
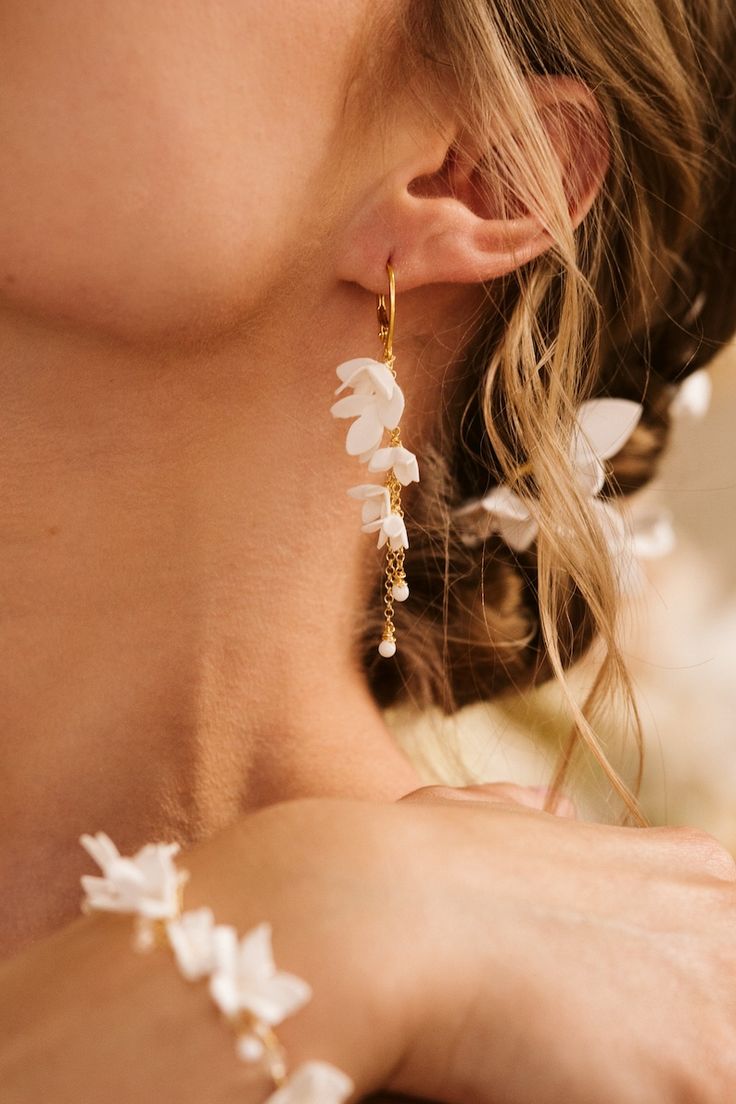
[429,793]
[565,807]
[709,852]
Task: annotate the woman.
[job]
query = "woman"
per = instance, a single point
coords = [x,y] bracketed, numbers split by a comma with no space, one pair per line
[198,206]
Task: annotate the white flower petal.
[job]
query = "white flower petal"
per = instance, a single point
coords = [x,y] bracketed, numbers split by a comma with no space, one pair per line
[368,490]
[591,477]
[351,406]
[370,377]
[146,884]
[382,460]
[503,503]
[384,382]
[372,526]
[604,426]
[192,941]
[364,433]
[100,848]
[314,1082]
[629,575]
[394,529]
[518,535]
[693,396]
[654,535]
[469,506]
[349,368]
[391,408]
[255,957]
[407,472]
[99,894]
[224,992]
[275,998]
[376,500]
[612,525]
[245,977]
[375,509]
[403,462]
[225,949]
[224,979]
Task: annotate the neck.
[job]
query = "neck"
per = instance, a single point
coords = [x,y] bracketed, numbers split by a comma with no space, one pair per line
[184,578]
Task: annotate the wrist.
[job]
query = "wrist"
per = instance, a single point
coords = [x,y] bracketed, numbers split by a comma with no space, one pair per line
[287,864]
[83,1016]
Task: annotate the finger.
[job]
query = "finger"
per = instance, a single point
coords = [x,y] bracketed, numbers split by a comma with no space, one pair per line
[498,793]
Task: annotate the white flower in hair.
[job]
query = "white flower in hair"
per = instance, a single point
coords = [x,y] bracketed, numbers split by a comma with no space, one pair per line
[245,977]
[314,1082]
[619,539]
[653,535]
[377,403]
[148,883]
[603,427]
[693,396]
[634,538]
[512,517]
[403,462]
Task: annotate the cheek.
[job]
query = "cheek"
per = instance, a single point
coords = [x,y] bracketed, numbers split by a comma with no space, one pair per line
[157,161]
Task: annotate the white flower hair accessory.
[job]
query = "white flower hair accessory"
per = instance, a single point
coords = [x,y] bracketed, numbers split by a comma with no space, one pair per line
[253,995]
[377,404]
[603,426]
[693,396]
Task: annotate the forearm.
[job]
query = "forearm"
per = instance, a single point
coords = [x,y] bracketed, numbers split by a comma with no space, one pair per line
[84,1017]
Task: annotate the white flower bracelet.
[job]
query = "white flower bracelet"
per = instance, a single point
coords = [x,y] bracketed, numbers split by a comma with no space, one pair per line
[244,983]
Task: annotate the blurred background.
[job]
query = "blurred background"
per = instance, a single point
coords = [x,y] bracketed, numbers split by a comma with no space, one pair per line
[679,637]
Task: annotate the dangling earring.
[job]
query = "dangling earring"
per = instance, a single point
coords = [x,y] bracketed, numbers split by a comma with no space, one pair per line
[377,403]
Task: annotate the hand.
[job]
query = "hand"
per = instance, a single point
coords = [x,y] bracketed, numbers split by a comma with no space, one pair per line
[502,793]
[598,963]
[461,952]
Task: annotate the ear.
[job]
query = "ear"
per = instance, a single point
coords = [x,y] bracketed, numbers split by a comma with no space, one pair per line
[432,218]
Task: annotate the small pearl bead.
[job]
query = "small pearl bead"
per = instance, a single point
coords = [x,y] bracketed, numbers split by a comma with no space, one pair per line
[400,592]
[387,648]
[249,1048]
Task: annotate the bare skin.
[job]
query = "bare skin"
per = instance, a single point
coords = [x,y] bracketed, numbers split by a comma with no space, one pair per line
[192,231]
[519,957]
[185,574]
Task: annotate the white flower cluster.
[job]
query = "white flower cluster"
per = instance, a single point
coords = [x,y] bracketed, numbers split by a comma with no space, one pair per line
[603,428]
[377,403]
[242,976]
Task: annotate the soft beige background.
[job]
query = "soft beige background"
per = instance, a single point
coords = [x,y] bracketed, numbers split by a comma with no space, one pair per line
[680,641]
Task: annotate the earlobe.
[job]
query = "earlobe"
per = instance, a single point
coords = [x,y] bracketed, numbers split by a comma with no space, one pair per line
[437,221]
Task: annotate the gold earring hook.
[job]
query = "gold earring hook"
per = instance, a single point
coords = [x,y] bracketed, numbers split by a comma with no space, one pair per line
[387,315]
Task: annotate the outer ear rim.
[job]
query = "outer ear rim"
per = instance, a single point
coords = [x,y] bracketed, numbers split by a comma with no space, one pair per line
[459,246]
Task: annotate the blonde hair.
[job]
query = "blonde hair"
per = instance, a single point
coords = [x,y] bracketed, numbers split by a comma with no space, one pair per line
[625,305]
